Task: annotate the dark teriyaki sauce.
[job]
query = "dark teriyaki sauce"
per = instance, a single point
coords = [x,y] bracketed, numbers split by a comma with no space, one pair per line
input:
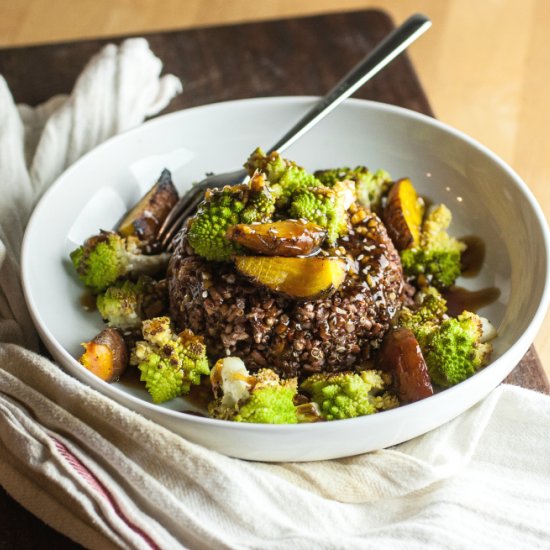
[460,299]
[200,395]
[88,301]
[130,378]
[472,258]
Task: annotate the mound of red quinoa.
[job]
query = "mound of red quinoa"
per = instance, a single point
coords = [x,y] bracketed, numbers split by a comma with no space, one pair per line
[266,329]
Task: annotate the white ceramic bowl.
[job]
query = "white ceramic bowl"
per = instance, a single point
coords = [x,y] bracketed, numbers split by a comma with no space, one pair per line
[486,197]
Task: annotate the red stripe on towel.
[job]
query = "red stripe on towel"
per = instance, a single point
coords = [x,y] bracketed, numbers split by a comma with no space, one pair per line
[93,482]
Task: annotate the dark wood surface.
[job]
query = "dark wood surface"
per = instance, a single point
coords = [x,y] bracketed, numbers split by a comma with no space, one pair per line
[287,57]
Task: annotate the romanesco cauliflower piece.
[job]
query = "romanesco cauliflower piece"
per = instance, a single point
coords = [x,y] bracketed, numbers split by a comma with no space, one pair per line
[260,203]
[207,229]
[270,401]
[456,350]
[453,348]
[370,186]
[284,176]
[243,397]
[330,176]
[272,165]
[347,394]
[127,303]
[223,208]
[323,206]
[426,317]
[105,258]
[294,180]
[438,255]
[120,305]
[169,363]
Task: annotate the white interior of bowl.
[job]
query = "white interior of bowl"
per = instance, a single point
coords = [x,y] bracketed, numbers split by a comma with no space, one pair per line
[487,200]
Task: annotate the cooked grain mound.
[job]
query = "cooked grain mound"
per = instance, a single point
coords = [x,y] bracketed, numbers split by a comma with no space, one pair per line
[292,337]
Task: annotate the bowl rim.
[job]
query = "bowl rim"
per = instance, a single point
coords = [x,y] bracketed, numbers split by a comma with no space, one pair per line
[523,342]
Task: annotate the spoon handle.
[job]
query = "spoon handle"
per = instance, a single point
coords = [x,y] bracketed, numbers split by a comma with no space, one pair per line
[387,50]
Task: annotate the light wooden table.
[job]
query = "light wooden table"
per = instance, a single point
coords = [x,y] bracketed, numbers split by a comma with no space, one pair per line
[485,64]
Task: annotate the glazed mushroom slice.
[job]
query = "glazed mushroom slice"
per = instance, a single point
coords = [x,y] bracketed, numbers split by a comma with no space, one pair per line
[106,355]
[145,219]
[281,238]
[403,214]
[401,356]
[301,278]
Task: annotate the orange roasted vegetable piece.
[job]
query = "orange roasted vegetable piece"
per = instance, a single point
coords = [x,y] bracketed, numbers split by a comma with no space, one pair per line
[403,214]
[106,355]
[296,277]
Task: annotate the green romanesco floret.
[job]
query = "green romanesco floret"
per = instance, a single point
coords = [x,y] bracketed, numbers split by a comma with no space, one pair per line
[261,397]
[273,166]
[105,258]
[425,317]
[126,303]
[453,348]
[260,205]
[120,305]
[331,176]
[456,350]
[370,187]
[294,180]
[284,176]
[206,232]
[270,401]
[169,363]
[348,394]
[322,206]
[223,208]
[438,255]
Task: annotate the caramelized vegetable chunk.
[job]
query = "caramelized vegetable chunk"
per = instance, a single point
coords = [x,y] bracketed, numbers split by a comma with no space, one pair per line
[283,238]
[401,356]
[106,355]
[403,214]
[145,219]
[296,277]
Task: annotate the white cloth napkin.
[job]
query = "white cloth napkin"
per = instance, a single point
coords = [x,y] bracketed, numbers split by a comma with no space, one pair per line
[107,477]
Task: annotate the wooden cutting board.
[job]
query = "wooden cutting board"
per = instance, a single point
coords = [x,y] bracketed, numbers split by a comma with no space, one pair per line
[288,57]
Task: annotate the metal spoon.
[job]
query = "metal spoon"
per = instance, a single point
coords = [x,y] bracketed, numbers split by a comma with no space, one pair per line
[387,50]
